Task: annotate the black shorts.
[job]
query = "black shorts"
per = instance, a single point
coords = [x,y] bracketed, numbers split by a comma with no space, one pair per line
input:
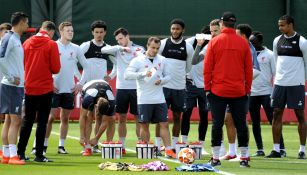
[63,100]
[175,99]
[126,98]
[196,97]
[292,96]
[152,113]
[11,99]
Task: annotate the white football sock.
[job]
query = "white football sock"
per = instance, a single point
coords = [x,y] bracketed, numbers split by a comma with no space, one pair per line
[174,141]
[184,138]
[123,140]
[46,142]
[277,147]
[158,143]
[302,148]
[13,150]
[6,150]
[62,142]
[232,149]
[216,152]
[244,152]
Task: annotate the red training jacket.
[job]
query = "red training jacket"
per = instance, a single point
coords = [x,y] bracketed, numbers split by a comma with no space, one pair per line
[41,60]
[228,65]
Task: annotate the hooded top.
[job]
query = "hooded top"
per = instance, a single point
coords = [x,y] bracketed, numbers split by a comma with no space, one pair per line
[228,65]
[41,60]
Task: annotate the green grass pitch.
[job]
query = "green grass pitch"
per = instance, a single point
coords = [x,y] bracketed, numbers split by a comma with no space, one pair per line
[75,164]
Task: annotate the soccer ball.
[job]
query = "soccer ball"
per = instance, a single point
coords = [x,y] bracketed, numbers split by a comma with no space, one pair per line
[186,155]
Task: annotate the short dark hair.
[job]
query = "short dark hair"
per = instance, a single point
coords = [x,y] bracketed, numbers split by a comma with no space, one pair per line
[17,17]
[102,105]
[99,24]
[64,24]
[178,21]
[258,35]
[122,31]
[245,29]
[153,39]
[205,30]
[287,18]
[48,25]
[6,26]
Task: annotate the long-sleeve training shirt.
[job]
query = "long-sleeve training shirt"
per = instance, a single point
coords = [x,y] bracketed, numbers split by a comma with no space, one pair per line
[123,60]
[70,54]
[11,59]
[196,73]
[263,84]
[147,91]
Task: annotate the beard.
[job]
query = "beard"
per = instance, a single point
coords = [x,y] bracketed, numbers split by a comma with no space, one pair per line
[177,38]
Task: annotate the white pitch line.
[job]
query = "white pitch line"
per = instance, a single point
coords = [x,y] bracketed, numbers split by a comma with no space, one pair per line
[224,172]
[133,151]
[176,161]
[292,162]
[68,136]
[58,134]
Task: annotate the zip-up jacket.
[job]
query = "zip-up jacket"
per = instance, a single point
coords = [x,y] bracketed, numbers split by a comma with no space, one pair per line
[228,65]
[41,60]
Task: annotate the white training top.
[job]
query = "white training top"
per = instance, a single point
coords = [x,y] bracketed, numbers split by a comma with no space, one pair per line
[70,54]
[147,91]
[196,73]
[11,59]
[176,68]
[190,40]
[97,67]
[123,60]
[263,85]
[290,70]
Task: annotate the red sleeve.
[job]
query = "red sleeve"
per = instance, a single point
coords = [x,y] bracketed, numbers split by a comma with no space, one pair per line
[55,58]
[208,67]
[24,46]
[248,69]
